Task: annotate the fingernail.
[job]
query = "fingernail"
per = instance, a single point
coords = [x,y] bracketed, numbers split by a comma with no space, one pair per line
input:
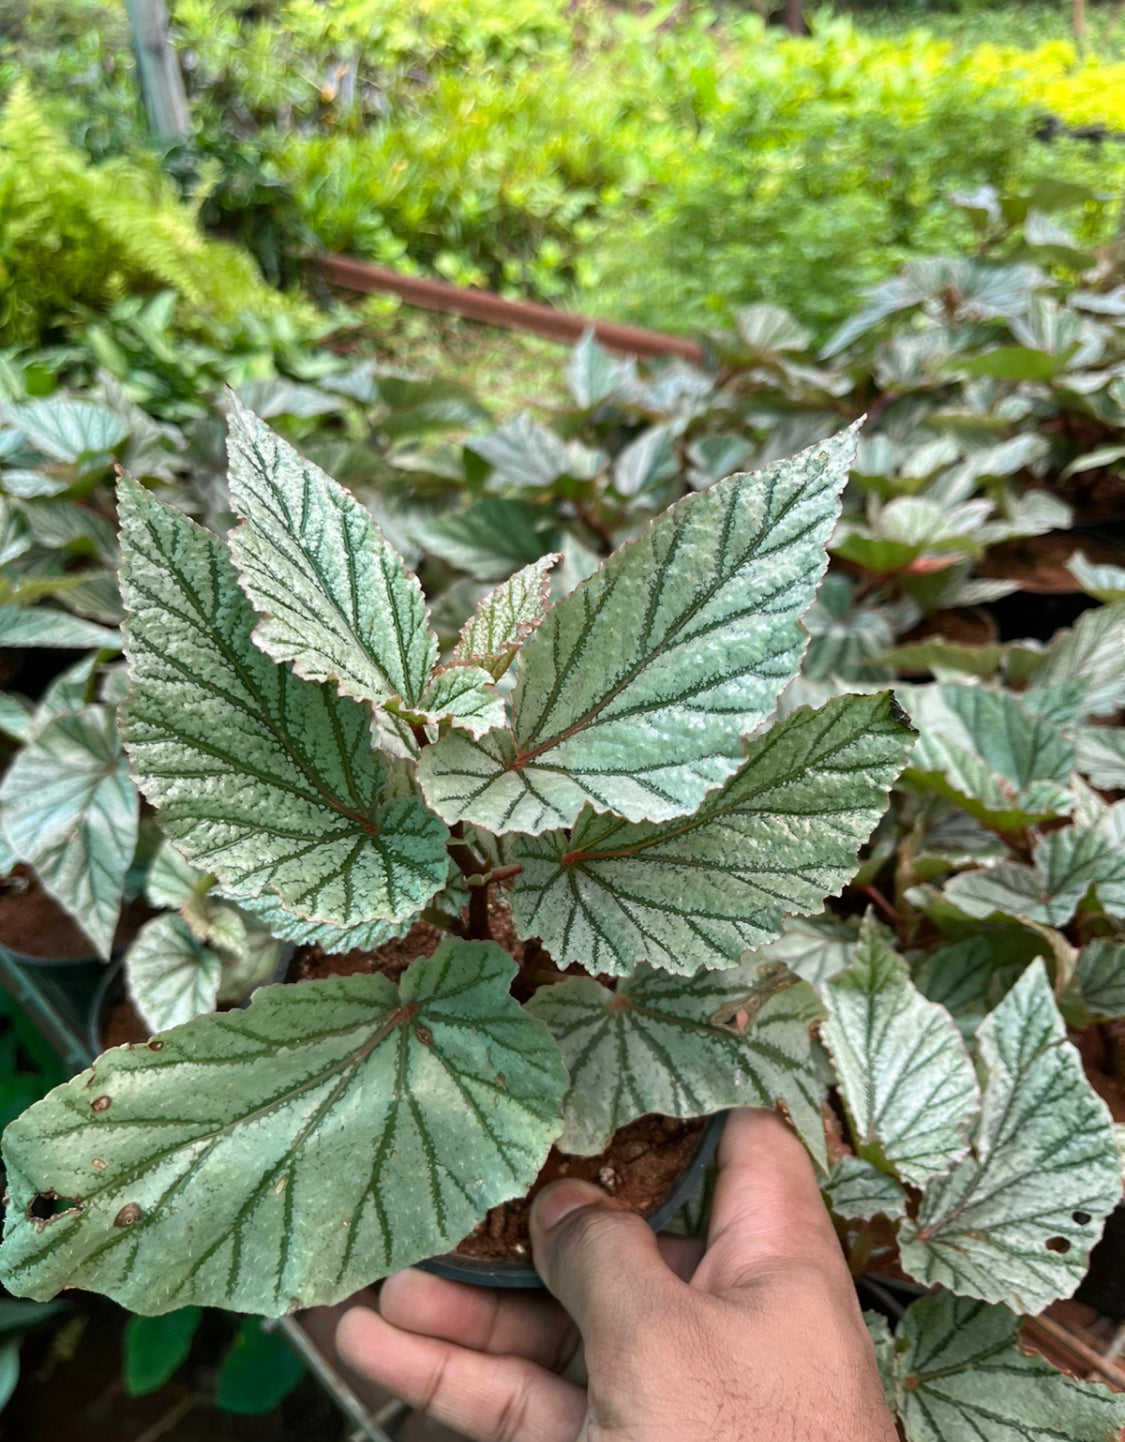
[561,1198]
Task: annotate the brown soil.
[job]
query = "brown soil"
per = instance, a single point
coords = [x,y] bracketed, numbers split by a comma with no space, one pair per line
[122,1023]
[639,1168]
[1039,563]
[1102,1049]
[964,626]
[32,922]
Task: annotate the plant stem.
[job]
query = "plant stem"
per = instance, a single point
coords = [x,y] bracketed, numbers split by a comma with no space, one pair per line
[465,858]
[480,928]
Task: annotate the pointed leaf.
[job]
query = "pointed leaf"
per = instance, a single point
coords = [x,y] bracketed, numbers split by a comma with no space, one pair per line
[594,375]
[266,780]
[1095,648]
[905,1075]
[172,976]
[778,837]
[70,811]
[282,1156]
[657,1044]
[1015,1221]
[637,689]
[335,598]
[42,626]
[858,1190]
[989,754]
[463,695]
[156,1347]
[1066,864]
[961,1374]
[491,538]
[506,617]
[69,431]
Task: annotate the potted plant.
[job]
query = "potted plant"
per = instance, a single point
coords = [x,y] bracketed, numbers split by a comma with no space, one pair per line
[611,838]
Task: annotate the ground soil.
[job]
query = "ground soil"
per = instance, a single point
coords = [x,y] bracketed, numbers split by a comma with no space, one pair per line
[32,922]
[1102,1049]
[1039,563]
[639,1168]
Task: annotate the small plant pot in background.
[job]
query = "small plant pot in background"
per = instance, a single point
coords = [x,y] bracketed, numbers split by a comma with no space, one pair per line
[494,1272]
[111,990]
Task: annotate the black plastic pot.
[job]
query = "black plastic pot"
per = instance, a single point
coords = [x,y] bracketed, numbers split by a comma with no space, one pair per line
[57,994]
[486,1272]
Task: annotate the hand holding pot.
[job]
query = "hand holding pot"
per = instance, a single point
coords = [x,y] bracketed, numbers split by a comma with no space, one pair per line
[755,1336]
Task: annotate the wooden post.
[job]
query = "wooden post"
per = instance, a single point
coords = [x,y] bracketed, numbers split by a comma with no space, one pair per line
[162,84]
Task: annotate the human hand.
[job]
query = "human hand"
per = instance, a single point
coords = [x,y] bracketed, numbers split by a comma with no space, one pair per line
[755,1336]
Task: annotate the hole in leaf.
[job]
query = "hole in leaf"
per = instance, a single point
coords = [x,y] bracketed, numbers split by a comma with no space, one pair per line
[46,1207]
[1058,1244]
[1080,1219]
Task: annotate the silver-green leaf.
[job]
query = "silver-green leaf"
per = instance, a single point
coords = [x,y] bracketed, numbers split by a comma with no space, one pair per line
[461,695]
[777,838]
[1095,649]
[858,1190]
[961,1374]
[1014,1222]
[70,811]
[262,778]
[905,1076]
[506,617]
[634,695]
[663,1044]
[283,1156]
[334,597]
[43,626]
[172,976]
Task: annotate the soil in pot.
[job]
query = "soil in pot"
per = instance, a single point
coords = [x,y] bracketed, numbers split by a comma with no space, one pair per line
[33,923]
[1102,1049]
[639,1168]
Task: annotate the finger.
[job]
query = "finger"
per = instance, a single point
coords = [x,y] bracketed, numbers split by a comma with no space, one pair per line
[767,1213]
[603,1264]
[531,1326]
[490,1399]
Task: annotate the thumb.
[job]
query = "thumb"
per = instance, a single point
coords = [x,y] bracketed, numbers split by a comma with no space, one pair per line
[604,1265]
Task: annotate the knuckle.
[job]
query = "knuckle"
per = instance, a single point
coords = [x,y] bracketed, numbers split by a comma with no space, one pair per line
[434,1383]
[512,1418]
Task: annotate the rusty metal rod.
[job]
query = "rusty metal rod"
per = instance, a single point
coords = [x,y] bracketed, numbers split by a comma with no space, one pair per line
[482,305]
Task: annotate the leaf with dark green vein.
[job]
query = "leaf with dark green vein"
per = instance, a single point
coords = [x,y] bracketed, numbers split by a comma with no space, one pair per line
[1097,988]
[524,453]
[491,538]
[777,838]
[858,1190]
[282,1156]
[364,936]
[960,1373]
[1065,865]
[506,618]
[812,947]
[70,811]
[635,693]
[905,1076]
[1014,1222]
[334,597]
[1100,753]
[1095,649]
[968,977]
[42,626]
[661,1044]
[985,751]
[262,778]
[69,431]
[172,975]
[461,695]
